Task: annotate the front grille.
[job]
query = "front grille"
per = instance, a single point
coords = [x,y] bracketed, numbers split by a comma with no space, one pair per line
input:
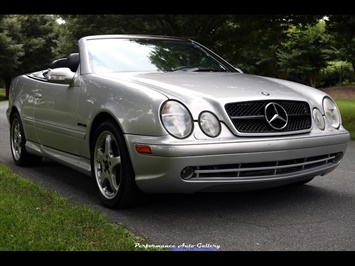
[249,117]
[258,170]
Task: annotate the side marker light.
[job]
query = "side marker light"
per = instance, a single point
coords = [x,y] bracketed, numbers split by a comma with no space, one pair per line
[143,149]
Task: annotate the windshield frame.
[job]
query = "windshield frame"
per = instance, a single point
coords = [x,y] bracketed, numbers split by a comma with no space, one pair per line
[88,45]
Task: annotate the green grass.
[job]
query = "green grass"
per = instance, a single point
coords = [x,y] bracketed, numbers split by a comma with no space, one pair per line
[33,219]
[347,110]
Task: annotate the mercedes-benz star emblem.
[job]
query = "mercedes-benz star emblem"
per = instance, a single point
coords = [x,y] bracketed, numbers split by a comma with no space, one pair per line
[276,116]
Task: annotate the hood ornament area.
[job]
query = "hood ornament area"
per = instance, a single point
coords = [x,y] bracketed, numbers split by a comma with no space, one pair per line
[276,116]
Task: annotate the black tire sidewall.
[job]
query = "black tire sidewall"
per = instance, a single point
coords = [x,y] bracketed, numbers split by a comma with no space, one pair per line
[127,188]
[23,159]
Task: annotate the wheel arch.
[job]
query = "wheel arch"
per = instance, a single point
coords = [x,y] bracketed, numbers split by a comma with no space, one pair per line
[101,117]
[129,194]
[12,111]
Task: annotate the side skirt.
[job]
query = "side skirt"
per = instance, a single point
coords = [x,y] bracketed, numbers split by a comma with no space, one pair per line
[78,163]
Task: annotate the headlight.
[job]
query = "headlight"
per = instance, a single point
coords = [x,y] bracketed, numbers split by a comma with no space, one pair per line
[318,119]
[209,124]
[176,119]
[331,112]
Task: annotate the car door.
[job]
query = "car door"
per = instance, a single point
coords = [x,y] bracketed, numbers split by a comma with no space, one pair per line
[55,116]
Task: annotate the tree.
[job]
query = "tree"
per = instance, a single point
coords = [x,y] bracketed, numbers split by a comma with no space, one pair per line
[10,49]
[251,41]
[37,36]
[342,27]
[306,52]
[27,42]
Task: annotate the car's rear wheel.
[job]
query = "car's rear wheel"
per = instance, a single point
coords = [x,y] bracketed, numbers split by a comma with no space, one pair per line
[17,142]
[112,168]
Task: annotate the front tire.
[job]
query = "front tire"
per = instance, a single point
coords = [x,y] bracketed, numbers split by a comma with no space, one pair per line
[17,143]
[112,169]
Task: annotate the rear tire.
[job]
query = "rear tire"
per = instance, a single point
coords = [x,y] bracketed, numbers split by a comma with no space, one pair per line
[112,169]
[17,143]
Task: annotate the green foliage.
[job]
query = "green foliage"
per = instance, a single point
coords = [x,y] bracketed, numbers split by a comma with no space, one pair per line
[10,49]
[306,52]
[28,39]
[26,43]
[342,28]
[336,73]
[37,35]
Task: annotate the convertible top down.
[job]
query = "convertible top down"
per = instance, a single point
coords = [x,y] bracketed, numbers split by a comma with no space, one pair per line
[155,114]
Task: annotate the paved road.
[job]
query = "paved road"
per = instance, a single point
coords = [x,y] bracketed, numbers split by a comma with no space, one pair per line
[319,216]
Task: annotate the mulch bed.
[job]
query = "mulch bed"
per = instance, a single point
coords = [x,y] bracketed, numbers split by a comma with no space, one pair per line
[346,91]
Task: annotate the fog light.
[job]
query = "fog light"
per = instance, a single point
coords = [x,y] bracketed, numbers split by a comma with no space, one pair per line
[338,157]
[187,172]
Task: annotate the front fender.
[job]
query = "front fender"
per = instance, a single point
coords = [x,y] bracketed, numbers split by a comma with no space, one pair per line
[133,106]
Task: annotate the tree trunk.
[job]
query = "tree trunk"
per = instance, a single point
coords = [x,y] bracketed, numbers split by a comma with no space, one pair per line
[313,76]
[7,81]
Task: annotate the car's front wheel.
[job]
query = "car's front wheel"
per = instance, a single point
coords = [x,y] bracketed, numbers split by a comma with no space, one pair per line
[112,168]
[17,143]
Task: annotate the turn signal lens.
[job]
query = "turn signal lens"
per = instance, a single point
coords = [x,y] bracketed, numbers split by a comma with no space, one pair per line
[143,149]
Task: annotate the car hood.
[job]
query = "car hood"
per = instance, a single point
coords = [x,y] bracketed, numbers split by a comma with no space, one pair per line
[222,87]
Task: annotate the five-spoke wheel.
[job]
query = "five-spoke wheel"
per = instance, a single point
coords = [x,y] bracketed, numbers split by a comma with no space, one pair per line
[17,143]
[111,167]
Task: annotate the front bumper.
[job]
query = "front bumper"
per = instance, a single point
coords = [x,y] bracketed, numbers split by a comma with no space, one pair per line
[245,164]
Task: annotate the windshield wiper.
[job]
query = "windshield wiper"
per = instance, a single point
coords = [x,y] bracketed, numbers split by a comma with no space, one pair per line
[204,69]
[197,69]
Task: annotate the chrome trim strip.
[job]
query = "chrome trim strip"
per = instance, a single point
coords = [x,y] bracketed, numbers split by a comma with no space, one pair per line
[263,168]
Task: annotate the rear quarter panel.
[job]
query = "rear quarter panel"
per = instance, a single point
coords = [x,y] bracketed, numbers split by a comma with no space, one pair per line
[21,99]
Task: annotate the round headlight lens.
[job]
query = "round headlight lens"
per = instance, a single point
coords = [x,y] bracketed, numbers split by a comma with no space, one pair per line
[176,119]
[318,119]
[331,112]
[209,124]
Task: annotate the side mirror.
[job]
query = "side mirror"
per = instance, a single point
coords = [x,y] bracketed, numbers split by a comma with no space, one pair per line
[239,70]
[61,75]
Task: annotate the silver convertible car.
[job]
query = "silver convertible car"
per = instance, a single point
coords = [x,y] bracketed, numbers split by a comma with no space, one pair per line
[156,114]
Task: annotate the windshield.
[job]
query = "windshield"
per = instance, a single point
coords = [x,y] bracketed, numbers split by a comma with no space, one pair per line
[149,55]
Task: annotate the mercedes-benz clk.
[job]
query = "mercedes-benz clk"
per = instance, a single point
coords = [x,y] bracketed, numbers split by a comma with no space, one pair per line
[155,114]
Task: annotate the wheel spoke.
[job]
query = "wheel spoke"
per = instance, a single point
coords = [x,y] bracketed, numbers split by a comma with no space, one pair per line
[16,139]
[115,164]
[108,165]
[108,146]
[115,161]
